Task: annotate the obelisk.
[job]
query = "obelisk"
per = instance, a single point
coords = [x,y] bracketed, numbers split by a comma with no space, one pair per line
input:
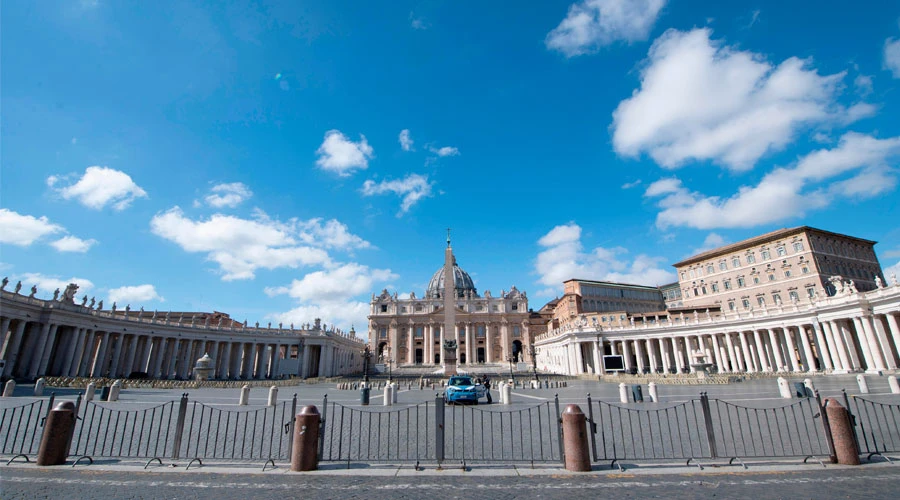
[450,339]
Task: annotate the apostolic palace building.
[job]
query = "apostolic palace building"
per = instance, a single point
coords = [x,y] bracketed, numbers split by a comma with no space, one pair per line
[793,300]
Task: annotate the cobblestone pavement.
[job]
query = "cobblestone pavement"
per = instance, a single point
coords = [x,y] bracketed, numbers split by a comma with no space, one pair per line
[872,481]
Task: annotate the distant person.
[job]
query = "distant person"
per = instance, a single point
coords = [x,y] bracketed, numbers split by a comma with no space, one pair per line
[487,389]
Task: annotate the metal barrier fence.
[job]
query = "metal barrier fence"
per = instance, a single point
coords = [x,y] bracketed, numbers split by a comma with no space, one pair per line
[707,429]
[21,427]
[434,431]
[377,435]
[107,430]
[877,425]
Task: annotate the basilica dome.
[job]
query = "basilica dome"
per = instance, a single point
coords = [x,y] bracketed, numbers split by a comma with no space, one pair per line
[461,281]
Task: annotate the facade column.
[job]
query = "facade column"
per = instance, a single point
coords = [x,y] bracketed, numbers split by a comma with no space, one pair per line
[720,362]
[626,351]
[776,349]
[729,346]
[639,354]
[846,334]
[791,354]
[116,357]
[505,351]
[822,347]
[761,352]
[470,344]
[745,350]
[4,331]
[44,350]
[12,348]
[872,339]
[80,339]
[864,345]
[807,348]
[833,337]
[265,354]
[410,345]
[429,344]
[488,343]
[664,353]
[679,354]
[99,369]
[894,327]
[304,363]
[71,349]
[87,358]
[884,342]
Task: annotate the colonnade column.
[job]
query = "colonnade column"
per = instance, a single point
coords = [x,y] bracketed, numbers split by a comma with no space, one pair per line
[807,348]
[894,327]
[729,346]
[821,347]
[411,345]
[626,352]
[12,348]
[639,354]
[760,352]
[745,350]
[488,343]
[872,339]
[99,368]
[720,362]
[679,354]
[864,345]
[664,352]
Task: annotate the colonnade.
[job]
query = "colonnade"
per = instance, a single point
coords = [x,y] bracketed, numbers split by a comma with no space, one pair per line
[839,335]
[497,341]
[49,338]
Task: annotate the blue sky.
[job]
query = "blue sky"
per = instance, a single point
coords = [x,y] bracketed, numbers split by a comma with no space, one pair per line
[282,161]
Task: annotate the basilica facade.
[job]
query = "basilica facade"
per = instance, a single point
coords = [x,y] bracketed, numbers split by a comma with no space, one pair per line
[489,329]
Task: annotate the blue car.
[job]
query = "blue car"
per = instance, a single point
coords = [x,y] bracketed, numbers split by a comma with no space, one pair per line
[462,389]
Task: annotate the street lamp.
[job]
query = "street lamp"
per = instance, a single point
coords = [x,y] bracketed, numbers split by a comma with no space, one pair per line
[366,353]
[390,362]
[511,375]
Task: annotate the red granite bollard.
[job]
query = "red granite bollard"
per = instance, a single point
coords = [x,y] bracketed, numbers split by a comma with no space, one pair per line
[58,431]
[845,449]
[305,454]
[575,441]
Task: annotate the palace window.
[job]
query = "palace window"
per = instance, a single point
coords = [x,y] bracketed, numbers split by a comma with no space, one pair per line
[761,301]
[693,275]
[728,284]
[794,296]
[781,251]
[731,305]
[776,298]
[735,262]
[798,246]
[746,303]
[765,255]
[384,308]
[811,292]
[751,258]
[715,287]
[419,307]
[804,270]
[710,269]
[771,276]
[787,273]
[515,306]
[756,280]
[740,281]
[703,289]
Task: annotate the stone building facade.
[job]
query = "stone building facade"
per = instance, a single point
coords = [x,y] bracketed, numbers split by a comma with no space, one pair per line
[489,328]
[58,337]
[784,266]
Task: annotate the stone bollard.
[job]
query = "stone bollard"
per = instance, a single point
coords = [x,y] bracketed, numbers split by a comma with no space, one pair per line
[395,392]
[623,393]
[506,394]
[651,389]
[845,449]
[892,383]
[500,391]
[305,453]
[89,392]
[575,441]
[273,395]
[389,395]
[245,396]
[783,388]
[114,391]
[9,389]
[809,385]
[863,384]
[39,387]
[58,431]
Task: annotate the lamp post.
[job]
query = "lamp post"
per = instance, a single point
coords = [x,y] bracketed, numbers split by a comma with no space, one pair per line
[366,353]
[390,362]
[511,375]
[532,351]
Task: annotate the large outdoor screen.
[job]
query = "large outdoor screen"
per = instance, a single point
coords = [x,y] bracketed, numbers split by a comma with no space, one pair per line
[613,363]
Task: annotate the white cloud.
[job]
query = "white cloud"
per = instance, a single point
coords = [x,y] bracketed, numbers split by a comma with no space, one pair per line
[73,244]
[860,163]
[100,186]
[412,188]
[703,100]
[47,284]
[134,294]
[892,271]
[444,151]
[342,156]
[241,246]
[330,294]
[863,84]
[563,258]
[711,241]
[592,24]
[629,185]
[417,23]
[23,230]
[228,195]
[892,56]
[406,142]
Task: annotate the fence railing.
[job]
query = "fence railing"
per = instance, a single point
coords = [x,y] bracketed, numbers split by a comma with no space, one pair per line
[877,425]
[21,427]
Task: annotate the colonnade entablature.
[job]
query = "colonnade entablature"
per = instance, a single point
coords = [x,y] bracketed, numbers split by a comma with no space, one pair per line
[62,338]
[849,332]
